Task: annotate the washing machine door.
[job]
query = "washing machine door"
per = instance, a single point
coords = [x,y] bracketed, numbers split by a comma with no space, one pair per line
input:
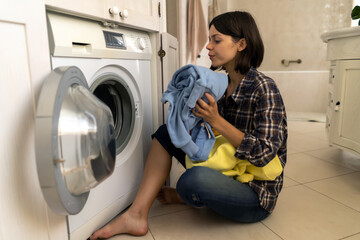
[75,146]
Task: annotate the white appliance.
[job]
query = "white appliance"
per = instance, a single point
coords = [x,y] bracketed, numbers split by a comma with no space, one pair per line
[74,134]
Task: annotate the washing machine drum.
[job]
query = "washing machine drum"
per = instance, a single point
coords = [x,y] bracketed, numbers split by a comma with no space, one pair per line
[113,91]
[75,143]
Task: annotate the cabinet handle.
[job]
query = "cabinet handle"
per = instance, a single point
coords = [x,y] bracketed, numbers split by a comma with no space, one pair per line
[114,10]
[124,13]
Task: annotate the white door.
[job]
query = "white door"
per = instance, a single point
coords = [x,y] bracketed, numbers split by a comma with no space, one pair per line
[24,61]
[170,63]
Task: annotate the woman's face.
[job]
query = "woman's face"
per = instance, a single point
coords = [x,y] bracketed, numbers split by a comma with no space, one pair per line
[222,49]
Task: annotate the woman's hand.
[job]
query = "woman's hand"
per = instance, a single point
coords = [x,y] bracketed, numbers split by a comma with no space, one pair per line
[209,112]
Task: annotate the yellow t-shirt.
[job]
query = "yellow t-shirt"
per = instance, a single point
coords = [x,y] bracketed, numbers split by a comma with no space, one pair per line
[222,158]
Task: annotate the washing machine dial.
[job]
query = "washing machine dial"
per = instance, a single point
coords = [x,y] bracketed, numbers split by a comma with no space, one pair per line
[114,10]
[141,43]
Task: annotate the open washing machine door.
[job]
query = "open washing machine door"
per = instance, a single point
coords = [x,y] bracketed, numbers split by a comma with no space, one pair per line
[75,145]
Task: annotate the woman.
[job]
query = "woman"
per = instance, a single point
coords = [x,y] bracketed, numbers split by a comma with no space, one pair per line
[251,116]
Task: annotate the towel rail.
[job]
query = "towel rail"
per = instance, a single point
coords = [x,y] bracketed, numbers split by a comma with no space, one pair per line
[287,62]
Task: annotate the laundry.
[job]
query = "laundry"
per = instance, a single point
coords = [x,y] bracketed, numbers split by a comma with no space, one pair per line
[188,84]
[203,136]
[222,158]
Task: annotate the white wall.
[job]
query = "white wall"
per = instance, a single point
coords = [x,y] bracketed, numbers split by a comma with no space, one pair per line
[291,30]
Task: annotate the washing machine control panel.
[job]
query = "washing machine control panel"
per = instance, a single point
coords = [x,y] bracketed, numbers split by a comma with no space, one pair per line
[131,41]
[97,40]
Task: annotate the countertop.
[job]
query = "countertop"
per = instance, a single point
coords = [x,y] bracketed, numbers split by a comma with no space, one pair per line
[341,33]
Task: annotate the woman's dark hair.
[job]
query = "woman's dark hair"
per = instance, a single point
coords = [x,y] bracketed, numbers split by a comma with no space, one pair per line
[242,25]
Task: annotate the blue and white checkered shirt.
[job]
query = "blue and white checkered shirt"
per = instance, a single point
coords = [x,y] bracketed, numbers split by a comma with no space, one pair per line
[256,108]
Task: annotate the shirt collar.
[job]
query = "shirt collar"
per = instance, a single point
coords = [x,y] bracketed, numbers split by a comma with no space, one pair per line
[239,92]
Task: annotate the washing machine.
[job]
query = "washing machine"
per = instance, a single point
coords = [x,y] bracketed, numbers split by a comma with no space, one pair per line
[94,120]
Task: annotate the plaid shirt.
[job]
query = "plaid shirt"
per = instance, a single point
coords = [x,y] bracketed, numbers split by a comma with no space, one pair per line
[257,109]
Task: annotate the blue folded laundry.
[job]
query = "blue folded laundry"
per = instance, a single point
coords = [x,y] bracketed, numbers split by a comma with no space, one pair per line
[188,84]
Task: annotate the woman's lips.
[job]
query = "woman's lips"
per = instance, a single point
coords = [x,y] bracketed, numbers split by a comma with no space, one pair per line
[211,56]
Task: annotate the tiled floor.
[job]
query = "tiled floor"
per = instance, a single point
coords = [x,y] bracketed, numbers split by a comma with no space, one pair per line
[320,199]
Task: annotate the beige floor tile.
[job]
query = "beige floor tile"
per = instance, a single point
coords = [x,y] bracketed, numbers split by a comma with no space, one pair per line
[289,182]
[158,209]
[301,127]
[304,143]
[291,150]
[354,237]
[321,134]
[304,168]
[345,189]
[338,156]
[303,214]
[306,116]
[202,224]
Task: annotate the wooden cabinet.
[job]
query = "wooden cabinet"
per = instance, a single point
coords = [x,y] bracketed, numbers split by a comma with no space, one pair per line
[24,62]
[345,121]
[343,113]
[145,13]
[141,14]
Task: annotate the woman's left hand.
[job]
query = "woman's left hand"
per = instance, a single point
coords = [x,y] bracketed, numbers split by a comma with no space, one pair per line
[209,112]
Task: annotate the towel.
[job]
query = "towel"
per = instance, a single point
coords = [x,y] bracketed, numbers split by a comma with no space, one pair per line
[222,158]
[188,84]
[197,29]
[214,9]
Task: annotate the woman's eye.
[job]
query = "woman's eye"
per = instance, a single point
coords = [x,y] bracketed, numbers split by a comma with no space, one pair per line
[217,41]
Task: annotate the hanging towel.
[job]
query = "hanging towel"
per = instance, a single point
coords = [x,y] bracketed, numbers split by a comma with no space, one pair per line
[214,10]
[188,84]
[197,29]
[222,158]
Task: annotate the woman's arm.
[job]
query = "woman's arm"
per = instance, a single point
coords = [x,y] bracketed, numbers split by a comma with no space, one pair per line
[209,112]
[261,145]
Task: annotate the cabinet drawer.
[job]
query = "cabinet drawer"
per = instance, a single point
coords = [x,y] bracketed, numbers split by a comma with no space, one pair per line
[344,48]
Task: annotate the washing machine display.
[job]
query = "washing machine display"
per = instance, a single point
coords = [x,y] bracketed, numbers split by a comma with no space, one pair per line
[114,40]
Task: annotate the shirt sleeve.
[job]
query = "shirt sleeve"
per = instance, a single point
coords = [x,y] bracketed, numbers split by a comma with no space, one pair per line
[260,145]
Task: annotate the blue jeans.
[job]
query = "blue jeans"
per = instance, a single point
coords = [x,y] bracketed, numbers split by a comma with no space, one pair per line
[202,186]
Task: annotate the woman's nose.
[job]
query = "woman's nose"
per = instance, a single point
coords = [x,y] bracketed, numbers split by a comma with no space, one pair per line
[208,46]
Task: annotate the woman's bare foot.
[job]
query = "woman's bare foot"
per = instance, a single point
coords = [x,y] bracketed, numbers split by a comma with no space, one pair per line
[127,223]
[168,195]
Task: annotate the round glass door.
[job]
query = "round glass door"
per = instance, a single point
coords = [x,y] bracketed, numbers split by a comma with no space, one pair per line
[75,144]
[85,139]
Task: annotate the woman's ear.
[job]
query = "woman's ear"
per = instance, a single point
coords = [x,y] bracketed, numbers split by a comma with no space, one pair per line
[241,44]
